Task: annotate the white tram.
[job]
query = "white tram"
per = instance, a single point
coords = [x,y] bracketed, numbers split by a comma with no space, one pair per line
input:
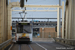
[23,32]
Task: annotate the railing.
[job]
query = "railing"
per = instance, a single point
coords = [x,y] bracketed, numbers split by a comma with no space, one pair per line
[65,41]
[43,26]
[45,35]
[5,44]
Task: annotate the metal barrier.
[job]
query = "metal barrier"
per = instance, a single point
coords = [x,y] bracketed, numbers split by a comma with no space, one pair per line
[5,44]
[65,41]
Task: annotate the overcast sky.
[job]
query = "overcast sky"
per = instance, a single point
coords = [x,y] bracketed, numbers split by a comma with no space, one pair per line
[39,14]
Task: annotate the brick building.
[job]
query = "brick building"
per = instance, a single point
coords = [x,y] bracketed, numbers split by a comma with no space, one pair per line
[46,29]
[45,32]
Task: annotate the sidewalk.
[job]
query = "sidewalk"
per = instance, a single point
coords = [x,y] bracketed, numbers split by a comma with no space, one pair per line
[43,39]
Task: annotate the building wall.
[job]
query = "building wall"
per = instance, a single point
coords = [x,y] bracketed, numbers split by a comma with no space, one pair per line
[48,31]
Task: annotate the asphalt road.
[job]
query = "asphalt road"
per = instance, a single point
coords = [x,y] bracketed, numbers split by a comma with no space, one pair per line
[41,46]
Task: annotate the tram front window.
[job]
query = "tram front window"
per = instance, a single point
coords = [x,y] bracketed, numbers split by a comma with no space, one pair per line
[24,28]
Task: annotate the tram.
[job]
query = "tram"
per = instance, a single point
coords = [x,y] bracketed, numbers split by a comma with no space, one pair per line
[23,32]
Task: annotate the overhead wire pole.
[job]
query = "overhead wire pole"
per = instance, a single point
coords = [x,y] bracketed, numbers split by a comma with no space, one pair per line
[63,20]
[59,19]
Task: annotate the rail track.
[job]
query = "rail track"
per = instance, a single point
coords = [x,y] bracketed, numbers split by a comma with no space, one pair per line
[40,46]
[21,47]
[33,46]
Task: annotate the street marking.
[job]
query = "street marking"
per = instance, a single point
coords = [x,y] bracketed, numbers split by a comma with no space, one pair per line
[41,46]
[19,46]
[30,47]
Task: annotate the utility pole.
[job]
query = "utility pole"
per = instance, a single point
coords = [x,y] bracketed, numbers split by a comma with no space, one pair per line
[60,19]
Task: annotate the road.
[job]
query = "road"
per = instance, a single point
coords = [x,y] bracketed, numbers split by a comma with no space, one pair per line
[41,46]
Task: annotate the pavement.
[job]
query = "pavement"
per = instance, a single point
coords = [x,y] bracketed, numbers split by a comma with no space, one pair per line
[41,46]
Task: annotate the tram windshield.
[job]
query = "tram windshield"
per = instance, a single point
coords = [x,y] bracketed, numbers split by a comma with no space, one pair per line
[23,28]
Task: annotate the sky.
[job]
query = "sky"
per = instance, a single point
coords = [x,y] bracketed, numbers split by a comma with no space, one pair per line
[37,14]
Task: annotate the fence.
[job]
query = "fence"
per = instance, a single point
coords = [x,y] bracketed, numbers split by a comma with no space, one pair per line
[45,35]
[5,44]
